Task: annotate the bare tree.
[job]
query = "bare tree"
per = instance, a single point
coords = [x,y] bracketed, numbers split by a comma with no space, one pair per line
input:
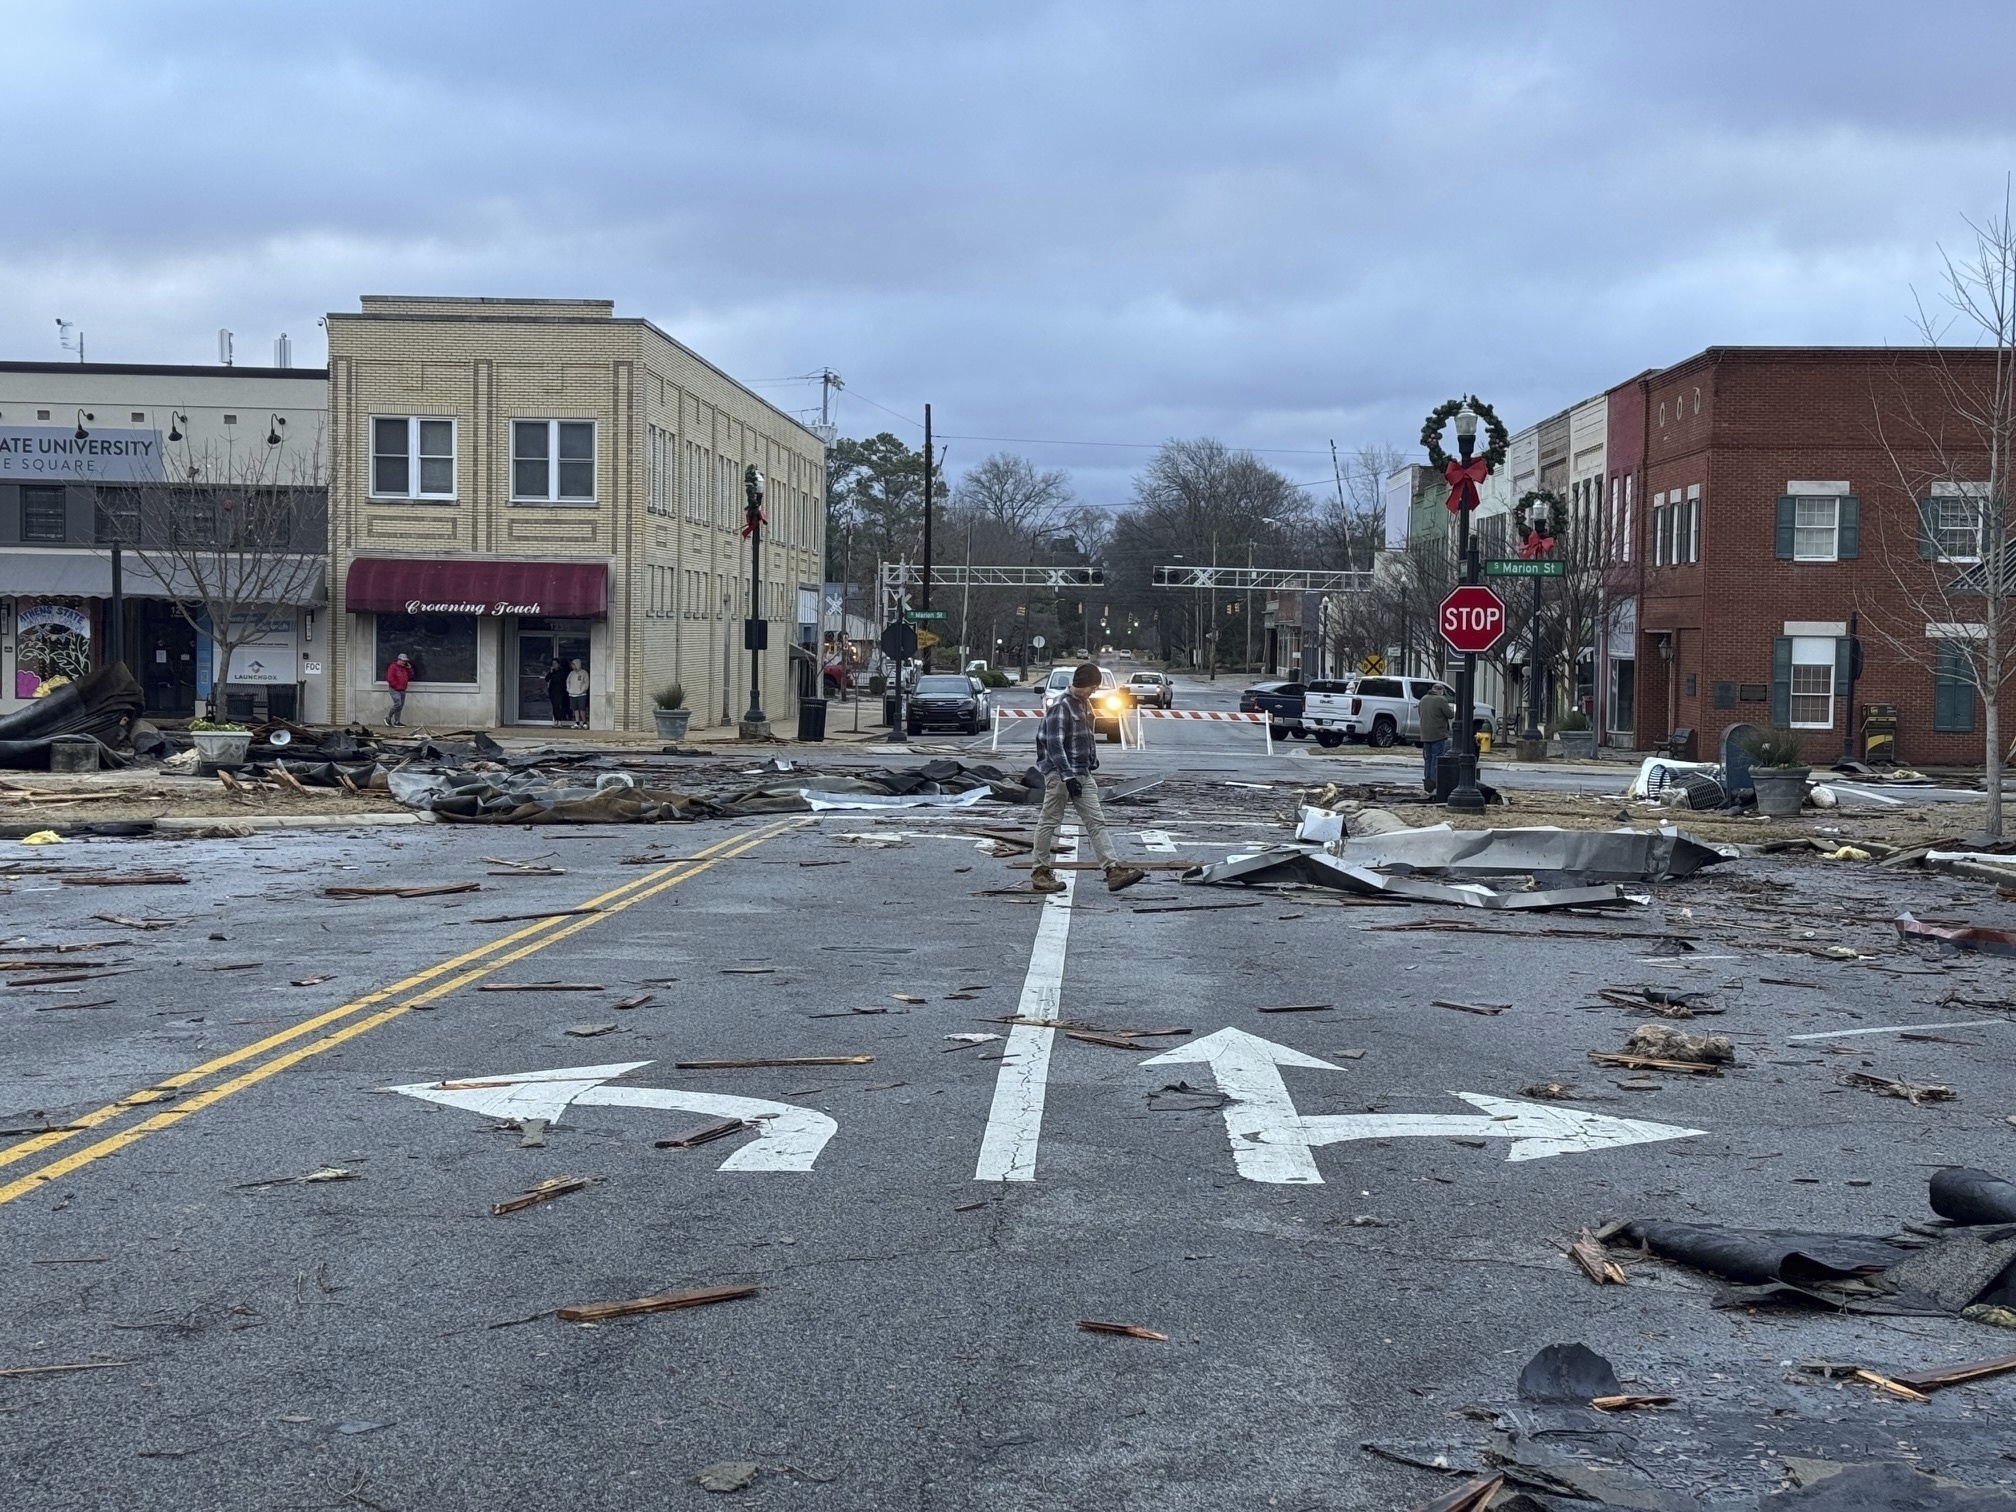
[1949,430]
[233,536]
[1011,491]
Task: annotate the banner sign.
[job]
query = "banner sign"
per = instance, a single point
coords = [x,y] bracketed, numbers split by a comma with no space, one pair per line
[54,454]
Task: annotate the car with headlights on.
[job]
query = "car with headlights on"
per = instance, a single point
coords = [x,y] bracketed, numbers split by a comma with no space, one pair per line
[1111,702]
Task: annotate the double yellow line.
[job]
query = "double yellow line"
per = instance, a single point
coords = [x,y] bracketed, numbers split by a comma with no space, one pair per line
[435,982]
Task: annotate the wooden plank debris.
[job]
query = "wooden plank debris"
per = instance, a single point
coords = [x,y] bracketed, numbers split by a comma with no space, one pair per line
[129,879]
[1126,1330]
[545,1191]
[705,1134]
[541,987]
[29,1370]
[1595,1261]
[596,1312]
[1485,1009]
[551,913]
[395,890]
[781,1060]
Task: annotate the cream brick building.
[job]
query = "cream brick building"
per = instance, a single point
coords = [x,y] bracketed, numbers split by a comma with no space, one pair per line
[519,480]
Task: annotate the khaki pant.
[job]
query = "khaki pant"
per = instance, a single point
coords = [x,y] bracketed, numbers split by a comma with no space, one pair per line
[1090,816]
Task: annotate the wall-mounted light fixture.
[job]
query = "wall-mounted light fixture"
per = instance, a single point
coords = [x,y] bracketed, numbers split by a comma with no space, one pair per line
[82,416]
[274,426]
[175,424]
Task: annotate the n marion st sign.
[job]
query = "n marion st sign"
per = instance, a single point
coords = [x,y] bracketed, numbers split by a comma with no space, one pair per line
[33,453]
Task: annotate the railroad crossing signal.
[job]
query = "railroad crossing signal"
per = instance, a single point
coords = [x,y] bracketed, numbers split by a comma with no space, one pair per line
[1372,664]
[1472,618]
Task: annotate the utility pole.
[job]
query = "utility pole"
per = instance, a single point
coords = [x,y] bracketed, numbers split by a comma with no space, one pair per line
[928,512]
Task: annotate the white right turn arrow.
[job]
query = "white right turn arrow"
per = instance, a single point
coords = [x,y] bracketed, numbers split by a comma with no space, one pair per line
[1271,1142]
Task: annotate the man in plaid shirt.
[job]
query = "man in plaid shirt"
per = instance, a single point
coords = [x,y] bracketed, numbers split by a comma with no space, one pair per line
[1067,751]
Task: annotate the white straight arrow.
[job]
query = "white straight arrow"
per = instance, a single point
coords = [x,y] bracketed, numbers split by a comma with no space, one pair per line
[788,1138]
[1271,1142]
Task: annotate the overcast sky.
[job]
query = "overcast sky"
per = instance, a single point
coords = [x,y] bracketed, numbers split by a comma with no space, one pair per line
[1275,223]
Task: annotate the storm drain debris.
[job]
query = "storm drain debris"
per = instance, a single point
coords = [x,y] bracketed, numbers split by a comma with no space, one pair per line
[596,1312]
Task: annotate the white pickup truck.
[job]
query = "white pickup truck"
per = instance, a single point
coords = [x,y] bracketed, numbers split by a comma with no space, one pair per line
[1380,710]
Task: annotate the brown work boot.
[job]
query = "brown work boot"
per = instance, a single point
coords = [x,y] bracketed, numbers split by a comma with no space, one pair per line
[1118,876]
[1043,879]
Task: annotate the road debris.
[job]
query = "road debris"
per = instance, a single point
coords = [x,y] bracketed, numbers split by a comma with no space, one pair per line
[1127,1330]
[781,1060]
[589,1031]
[1487,1010]
[142,924]
[1954,1375]
[728,1475]
[1568,1374]
[532,1133]
[1625,1401]
[1471,1496]
[2001,942]
[1660,1043]
[705,1134]
[541,987]
[399,890]
[1595,1261]
[1181,1097]
[1658,1000]
[1884,1384]
[323,1173]
[596,1312]
[314,981]
[972,1039]
[1883,1086]
[33,1370]
[1295,1008]
[129,879]
[545,1191]
[551,913]
[635,1002]
[1971,1196]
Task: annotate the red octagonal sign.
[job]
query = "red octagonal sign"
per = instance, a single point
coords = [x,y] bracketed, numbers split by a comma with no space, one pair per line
[1472,618]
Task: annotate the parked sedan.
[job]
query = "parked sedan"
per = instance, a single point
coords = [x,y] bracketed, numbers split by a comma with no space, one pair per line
[1280,701]
[1152,689]
[950,701]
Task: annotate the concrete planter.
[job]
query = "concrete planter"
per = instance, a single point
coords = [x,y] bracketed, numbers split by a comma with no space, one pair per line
[672,722]
[222,747]
[1577,745]
[1780,790]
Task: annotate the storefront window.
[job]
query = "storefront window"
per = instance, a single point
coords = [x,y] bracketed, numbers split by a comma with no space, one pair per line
[442,647]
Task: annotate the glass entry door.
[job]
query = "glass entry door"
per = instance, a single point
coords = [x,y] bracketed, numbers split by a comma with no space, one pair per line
[540,644]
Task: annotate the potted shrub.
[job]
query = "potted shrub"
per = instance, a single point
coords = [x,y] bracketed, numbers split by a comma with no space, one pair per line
[671,713]
[1577,739]
[220,744]
[1778,770]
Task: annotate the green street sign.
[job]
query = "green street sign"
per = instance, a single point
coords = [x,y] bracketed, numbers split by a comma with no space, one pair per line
[1525,567]
[923,614]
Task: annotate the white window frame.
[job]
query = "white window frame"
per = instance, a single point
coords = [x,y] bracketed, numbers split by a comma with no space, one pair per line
[413,458]
[1693,518]
[1813,646]
[552,495]
[1961,493]
[1833,553]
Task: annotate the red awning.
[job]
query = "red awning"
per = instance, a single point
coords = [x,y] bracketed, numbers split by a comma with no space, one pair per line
[414,585]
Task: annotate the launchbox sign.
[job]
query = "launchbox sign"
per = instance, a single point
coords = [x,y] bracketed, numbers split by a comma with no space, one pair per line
[56,454]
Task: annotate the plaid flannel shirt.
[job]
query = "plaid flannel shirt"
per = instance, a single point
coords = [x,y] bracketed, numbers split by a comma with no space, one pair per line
[1070,745]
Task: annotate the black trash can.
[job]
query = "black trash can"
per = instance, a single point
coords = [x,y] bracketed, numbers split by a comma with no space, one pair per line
[811,719]
[889,710]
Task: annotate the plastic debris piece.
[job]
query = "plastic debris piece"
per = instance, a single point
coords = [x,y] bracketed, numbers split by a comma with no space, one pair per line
[43,837]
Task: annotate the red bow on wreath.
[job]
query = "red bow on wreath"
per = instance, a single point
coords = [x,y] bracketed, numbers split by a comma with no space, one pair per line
[1463,480]
[1536,545]
[751,525]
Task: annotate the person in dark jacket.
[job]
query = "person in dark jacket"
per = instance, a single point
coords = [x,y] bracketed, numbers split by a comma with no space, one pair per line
[556,692]
[1437,714]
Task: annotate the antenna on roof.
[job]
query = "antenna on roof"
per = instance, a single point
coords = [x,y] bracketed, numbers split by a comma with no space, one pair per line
[283,351]
[71,338]
[224,347]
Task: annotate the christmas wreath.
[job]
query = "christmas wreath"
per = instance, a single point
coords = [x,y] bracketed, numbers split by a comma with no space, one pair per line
[1533,542]
[1496,437]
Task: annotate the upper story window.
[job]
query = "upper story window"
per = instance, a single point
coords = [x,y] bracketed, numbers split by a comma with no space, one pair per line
[1819,522]
[553,461]
[1676,527]
[412,457]
[45,514]
[1952,523]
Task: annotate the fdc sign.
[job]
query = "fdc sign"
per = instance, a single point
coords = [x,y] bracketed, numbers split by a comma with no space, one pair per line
[1472,618]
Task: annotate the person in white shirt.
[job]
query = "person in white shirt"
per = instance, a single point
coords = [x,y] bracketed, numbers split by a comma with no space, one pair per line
[577,693]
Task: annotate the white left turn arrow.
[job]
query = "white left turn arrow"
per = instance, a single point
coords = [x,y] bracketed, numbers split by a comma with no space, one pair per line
[788,1138]
[1272,1142]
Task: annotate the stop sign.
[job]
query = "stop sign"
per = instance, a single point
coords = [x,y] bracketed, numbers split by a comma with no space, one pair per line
[1472,618]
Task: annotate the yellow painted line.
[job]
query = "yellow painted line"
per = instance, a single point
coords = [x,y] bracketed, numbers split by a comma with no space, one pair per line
[36,1179]
[167,1086]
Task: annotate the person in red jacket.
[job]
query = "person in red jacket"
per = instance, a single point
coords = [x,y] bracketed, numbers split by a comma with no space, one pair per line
[397,676]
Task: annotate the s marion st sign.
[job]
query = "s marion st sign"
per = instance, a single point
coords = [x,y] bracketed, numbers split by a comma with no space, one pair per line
[55,453]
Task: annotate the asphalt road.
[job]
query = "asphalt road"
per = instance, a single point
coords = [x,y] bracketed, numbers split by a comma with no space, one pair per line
[385,1341]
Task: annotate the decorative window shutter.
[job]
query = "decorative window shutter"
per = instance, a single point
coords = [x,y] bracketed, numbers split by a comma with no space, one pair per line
[1781,678]
[1928,530]
[1787,508]
[1849,543]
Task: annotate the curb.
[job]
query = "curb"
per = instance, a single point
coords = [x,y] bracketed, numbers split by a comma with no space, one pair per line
[183,822]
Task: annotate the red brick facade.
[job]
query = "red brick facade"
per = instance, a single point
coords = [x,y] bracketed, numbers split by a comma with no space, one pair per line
[1714,634]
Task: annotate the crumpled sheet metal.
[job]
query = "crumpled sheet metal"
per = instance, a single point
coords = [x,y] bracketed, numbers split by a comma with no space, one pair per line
[1657,773]
[1323,870]
[1586,855]
[101,705]
[526,798]
[2000,942]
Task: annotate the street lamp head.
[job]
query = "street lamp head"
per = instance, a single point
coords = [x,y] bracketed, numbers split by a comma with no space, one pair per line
[1466,424]
[753,484]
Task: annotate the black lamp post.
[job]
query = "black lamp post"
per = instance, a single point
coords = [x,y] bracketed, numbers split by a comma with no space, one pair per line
[1542,524]
[1464,797]
[755,629]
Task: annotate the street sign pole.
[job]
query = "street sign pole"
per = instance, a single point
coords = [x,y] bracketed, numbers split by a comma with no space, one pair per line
[1464,797]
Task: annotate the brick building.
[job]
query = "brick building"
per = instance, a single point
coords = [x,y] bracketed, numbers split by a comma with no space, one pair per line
[1783,495]
[519,481]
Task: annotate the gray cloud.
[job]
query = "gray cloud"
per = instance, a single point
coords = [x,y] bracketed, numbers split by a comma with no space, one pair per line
[1276,223]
